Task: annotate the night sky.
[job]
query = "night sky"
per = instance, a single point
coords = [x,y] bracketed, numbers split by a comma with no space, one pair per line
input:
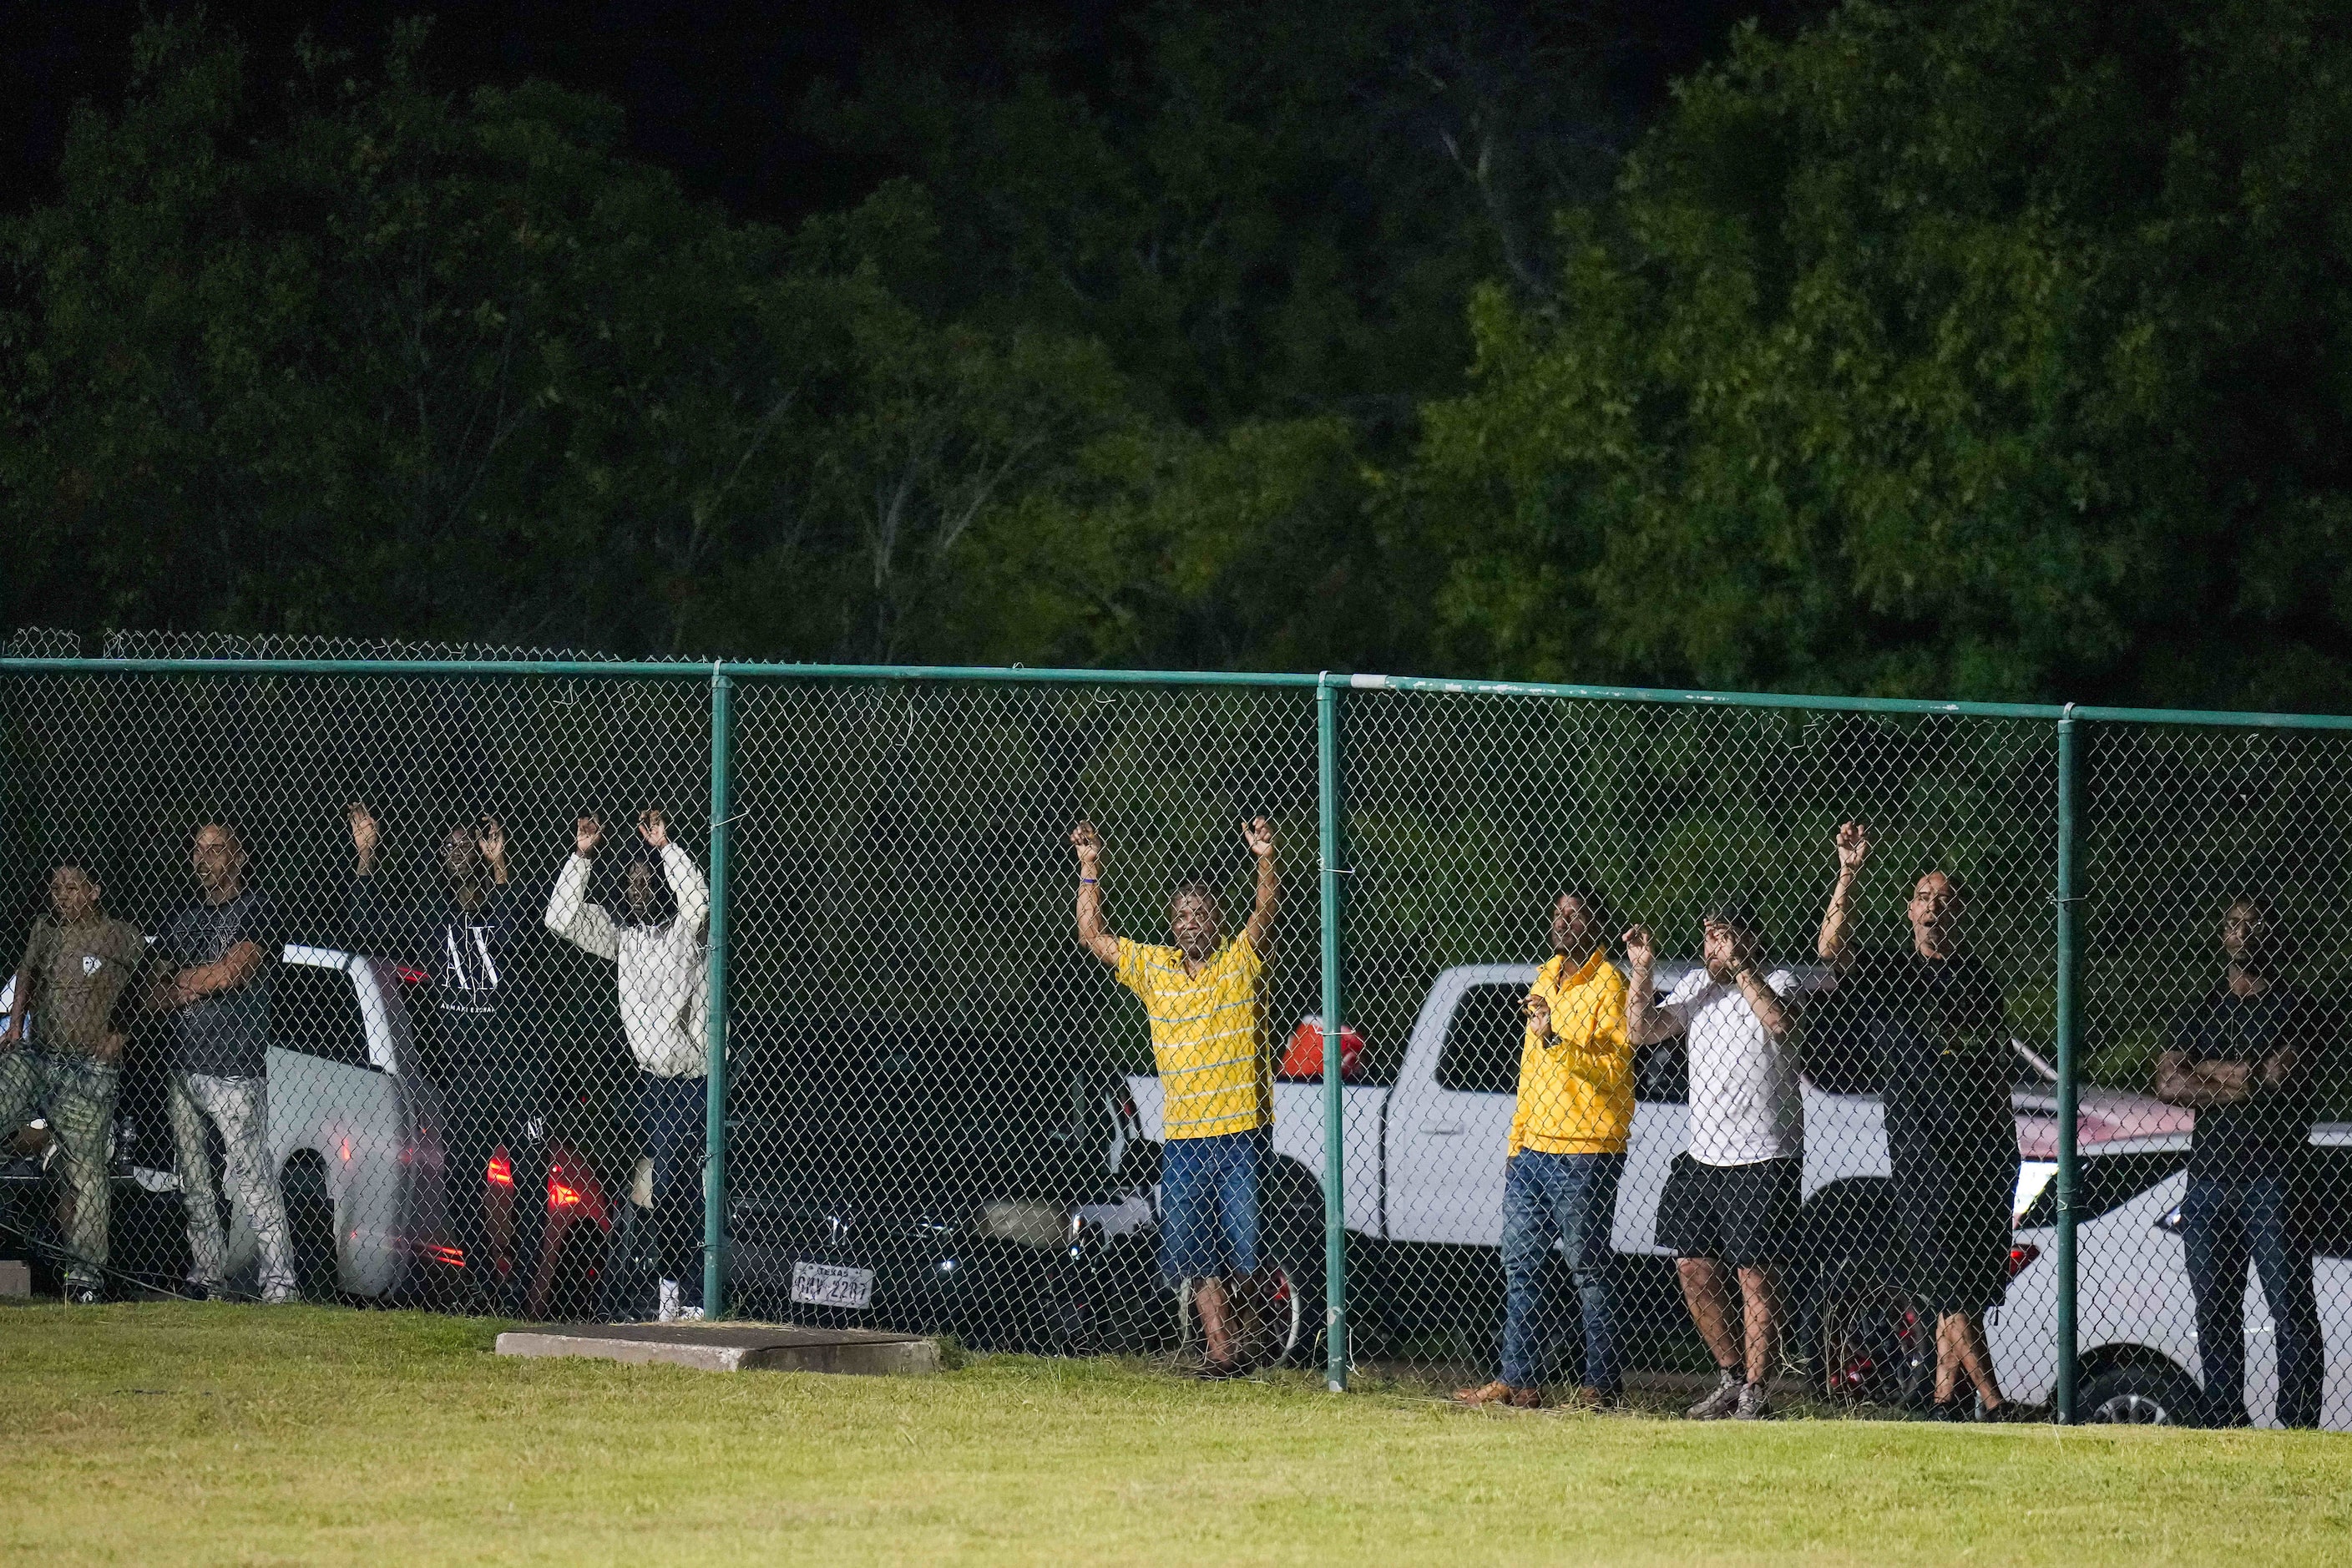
[712,87]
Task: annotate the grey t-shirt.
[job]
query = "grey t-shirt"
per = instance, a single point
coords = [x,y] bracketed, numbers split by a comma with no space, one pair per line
[226,1035]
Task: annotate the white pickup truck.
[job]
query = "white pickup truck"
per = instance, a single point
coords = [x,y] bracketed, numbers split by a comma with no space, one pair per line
[354,1133]
[1424,1163]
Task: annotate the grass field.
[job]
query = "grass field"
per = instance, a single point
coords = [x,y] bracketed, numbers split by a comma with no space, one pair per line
[202,1434]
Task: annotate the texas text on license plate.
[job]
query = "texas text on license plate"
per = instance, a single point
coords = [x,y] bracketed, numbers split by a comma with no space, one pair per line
[833,1285]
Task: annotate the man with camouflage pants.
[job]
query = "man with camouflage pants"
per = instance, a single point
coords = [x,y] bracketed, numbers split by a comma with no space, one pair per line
[59,1051]
[221,951]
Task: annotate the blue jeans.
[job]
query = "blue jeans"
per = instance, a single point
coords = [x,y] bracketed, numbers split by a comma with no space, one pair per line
[2227,1222]
[1208,1205]
[1569,1199]
[671,1117]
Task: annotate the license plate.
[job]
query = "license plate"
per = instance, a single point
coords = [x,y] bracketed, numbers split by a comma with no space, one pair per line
[833,1285]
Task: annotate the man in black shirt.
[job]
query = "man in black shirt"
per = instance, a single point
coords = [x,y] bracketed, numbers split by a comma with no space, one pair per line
[1933,1017]
[496,1143]
[2244,1057]
[219,953]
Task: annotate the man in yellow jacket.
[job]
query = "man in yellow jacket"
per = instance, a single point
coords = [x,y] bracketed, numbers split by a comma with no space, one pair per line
[1567,1152]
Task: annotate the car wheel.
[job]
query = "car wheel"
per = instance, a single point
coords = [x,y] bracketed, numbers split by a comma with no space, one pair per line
[2140,1396]
[1877,1341]
[310,1227]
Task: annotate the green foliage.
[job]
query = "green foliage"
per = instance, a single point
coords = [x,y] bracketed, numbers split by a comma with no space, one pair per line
[1968,349]
[411,362]
[1264,209]
[1978,350]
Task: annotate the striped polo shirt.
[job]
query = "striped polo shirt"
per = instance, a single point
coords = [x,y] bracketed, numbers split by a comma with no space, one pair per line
[1213,1078]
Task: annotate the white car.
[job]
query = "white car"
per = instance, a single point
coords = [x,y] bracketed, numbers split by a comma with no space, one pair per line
[354,1135]
[2136,1318]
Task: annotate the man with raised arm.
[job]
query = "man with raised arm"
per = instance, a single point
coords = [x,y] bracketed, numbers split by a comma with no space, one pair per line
[2243,1057]
[1216,1080]
[1731,1198]
[61,1052]
[1933,1016]
[1567,1152]
[662,965]
[216,960]
[495,1147]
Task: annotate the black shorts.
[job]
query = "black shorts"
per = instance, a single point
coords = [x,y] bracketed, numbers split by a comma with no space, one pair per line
[1955,1205]
[1744,1214]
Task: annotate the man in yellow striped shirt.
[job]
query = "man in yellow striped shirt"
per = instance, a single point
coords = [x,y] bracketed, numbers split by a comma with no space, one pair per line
[1567,1152]
[1215,1078]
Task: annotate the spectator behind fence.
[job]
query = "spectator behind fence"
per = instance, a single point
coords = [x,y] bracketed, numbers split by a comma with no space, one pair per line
[1933,1016]
[62,1049]
[1731,1198]
[2244,1057]
[497,1140]
[1215,1078]
[217,957]
[661,963]
[1567,1152]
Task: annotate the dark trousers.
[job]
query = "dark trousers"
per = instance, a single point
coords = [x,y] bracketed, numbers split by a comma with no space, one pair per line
[671,1119]
[2226,1223]
[1572,1200]
[494,1100]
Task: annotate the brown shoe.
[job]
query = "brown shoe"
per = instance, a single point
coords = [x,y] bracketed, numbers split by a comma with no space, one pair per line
[1500,1393]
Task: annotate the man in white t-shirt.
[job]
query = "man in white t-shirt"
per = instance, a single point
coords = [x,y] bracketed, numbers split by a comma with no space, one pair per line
[1730,1202]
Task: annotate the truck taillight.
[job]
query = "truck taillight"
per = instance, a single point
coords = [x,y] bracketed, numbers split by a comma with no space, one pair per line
[500,1173]
[2019,1257]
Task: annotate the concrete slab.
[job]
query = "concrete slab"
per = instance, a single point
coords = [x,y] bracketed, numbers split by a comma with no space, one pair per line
[16,1278]
[731,1347]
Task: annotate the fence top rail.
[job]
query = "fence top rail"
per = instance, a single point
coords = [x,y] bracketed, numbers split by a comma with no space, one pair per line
[743,671]
[566,669]
[1705,698]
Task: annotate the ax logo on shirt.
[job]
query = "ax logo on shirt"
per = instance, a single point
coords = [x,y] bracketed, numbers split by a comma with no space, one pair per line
[89,962]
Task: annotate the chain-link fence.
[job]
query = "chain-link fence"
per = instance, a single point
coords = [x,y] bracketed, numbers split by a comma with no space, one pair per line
[1715,1044]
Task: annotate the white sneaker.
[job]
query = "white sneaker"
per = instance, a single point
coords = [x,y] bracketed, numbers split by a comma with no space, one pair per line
[1753,1404]
[690,1314]
[281,1295]
[670,1301]
[1721,1402]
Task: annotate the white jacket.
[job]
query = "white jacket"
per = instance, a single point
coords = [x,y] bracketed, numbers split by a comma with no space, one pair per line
[665,991]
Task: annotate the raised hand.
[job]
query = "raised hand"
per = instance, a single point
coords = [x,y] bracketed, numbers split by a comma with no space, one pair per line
[1640,951]
[653,829]
[586,835]
[1258,834]
[364,833]
[491,838]
[1853,847]
[1089,845]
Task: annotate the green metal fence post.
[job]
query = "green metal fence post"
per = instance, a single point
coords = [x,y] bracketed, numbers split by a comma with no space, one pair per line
[714,1148]
[2067,1028]
[1335,1132]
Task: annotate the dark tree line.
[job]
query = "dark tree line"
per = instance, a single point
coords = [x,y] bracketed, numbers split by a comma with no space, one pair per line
[1973,349]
